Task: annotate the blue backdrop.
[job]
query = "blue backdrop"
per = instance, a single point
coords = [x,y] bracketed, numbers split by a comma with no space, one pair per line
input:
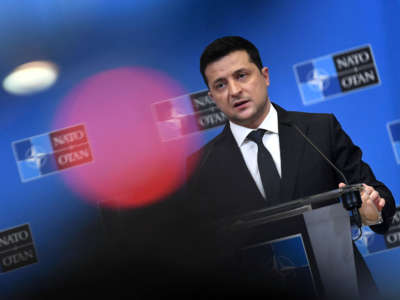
[87,37]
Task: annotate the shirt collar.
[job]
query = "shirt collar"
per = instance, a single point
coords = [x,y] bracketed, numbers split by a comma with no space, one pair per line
[270,124]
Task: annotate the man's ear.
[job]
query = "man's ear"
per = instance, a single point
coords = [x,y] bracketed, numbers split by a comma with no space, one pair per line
[265,73]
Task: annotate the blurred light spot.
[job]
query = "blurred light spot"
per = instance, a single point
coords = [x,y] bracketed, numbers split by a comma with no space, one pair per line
[132,166]
[30,78]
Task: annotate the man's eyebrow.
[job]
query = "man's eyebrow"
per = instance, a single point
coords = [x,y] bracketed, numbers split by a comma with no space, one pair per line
[218,80]
[240,70]
[234,73]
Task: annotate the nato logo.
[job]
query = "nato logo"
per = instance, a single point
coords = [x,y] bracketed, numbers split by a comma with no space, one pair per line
[332,75]
[48,153]
[392,236]
[186,114]
[371,242]
[16,248]
[394,133]
[286,261]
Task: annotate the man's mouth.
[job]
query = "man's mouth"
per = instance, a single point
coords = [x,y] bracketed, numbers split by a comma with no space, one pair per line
[240,103]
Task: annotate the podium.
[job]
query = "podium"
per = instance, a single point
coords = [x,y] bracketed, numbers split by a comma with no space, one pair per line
[303,246]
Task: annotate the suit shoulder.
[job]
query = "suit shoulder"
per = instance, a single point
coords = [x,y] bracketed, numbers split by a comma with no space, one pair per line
[207,147]
[311,117]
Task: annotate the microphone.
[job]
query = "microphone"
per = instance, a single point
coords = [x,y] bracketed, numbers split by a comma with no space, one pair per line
[351,198]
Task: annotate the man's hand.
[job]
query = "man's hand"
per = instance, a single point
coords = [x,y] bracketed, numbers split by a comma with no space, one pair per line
[372,204]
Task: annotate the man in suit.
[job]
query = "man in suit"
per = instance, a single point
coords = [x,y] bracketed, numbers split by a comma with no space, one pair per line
[228,180]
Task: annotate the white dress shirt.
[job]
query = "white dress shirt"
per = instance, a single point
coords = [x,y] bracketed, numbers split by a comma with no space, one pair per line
[249,148]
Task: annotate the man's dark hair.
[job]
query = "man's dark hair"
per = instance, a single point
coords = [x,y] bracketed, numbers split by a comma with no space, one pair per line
[224,46]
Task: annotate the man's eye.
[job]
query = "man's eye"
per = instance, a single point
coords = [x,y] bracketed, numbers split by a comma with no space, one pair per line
[242,75]
[219,86]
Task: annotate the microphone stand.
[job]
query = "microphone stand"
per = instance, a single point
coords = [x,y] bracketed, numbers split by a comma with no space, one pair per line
[350,194]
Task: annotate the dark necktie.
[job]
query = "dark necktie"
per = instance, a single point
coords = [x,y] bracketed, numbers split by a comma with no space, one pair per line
[268,172]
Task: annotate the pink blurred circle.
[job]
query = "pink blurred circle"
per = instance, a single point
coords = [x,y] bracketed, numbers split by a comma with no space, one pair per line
[132,166]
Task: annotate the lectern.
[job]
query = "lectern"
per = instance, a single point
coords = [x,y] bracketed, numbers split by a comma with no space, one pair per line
[303,246]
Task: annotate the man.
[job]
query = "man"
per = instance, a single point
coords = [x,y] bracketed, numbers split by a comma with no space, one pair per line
[228,180]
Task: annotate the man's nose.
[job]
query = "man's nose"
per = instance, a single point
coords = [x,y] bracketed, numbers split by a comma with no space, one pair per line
[234,88]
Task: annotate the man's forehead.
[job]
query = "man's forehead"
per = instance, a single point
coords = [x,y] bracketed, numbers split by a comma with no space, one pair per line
[229,64]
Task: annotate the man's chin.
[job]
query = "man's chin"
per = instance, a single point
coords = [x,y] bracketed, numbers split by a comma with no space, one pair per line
[245,115]
[246,122]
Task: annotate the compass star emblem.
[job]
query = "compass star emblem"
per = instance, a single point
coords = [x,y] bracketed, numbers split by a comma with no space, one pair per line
[367,238]
[36,157]
[317,78]
[283,266]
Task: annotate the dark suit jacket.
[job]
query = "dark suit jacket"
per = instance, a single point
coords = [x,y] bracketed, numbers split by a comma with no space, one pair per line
[222,186]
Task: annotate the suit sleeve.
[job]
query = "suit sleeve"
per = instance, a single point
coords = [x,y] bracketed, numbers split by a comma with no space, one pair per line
[348,158]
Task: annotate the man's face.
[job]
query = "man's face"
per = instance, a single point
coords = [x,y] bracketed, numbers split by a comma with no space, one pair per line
[239,88]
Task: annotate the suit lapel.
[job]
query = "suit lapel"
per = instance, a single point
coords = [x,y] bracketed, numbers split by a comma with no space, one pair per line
[292,148]
[236,166]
